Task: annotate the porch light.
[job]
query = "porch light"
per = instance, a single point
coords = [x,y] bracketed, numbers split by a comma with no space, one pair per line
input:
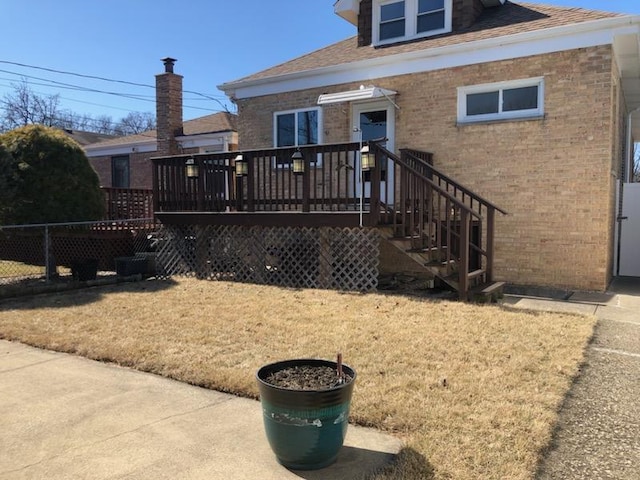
[298,162]
[242,167]
[367,159]
[192,168]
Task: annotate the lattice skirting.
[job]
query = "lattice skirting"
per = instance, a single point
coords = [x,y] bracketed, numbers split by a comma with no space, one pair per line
[324,257]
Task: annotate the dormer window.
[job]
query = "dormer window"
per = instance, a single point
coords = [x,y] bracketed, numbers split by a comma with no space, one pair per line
[395,20]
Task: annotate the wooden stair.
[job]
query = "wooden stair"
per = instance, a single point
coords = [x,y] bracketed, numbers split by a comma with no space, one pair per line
[441,225]
[481,291]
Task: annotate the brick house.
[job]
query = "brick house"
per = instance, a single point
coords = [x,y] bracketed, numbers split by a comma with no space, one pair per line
[528,106]
[124,162]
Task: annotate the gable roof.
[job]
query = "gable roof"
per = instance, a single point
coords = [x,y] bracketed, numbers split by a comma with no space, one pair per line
[509,19]
[214,123]
[85,138]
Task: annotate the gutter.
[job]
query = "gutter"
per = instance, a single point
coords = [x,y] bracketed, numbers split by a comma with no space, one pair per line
[628,25]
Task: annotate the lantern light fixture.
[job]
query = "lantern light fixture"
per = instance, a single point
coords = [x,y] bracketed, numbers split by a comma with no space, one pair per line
[298,162]
[367,159]
[192,168]
[242,167]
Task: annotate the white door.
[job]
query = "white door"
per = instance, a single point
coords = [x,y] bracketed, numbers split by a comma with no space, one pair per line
[374,120]
[630,231]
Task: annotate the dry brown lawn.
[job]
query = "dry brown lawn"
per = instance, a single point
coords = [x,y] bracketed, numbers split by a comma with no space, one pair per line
[472,390]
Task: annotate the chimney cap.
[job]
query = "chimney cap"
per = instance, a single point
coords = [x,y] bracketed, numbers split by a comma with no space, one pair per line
[168,64]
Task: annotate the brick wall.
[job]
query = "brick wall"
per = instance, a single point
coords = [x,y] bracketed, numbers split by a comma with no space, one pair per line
[364,23]
[168,112]
[553,175]
[465,13]
[140,174]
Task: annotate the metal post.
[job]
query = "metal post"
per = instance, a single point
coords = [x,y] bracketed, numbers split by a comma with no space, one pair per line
[47,263]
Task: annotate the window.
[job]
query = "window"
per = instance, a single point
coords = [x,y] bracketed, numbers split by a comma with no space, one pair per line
[392,20]
[120,171]
[296,128]
[409,19]
[431,15]
[504,100]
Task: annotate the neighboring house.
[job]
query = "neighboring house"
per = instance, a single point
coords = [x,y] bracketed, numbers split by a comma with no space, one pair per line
[530,106]
[124,162]
[86,138]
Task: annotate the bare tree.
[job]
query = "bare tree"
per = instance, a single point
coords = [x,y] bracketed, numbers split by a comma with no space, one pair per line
[24,107]
[103,124]
[136,122]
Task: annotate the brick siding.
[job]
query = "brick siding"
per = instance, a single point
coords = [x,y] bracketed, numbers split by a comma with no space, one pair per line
[553,175]
[140,175]
[168,112]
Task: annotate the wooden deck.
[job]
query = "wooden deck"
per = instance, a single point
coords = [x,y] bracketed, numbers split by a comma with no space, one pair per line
[438,223]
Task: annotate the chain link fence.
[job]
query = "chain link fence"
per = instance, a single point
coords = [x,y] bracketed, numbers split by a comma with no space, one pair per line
[78,251]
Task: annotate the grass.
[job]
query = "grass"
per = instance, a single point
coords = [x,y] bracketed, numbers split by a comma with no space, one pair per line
[472,390]
[9,268]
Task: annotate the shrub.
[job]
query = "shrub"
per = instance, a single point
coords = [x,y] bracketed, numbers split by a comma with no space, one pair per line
[48,177]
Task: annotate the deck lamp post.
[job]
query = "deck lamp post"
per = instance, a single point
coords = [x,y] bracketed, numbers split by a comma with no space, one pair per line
[367,159]
[298,162]
[242,167]
[192,168]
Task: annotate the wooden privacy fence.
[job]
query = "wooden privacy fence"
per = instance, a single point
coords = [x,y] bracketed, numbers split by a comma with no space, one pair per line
[127,203]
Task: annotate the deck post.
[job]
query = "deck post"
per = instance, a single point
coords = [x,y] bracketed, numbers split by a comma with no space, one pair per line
[374,200]
[306,186]
[250,184]
[156,186]
[463,274]
[491,225]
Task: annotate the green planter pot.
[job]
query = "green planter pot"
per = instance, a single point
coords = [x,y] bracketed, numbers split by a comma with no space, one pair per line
[305,428]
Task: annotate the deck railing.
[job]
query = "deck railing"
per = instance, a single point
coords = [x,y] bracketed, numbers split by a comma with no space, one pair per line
[128,203]
[329,183]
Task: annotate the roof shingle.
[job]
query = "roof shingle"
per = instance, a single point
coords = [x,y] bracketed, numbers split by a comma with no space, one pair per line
[214,123]
[509,19]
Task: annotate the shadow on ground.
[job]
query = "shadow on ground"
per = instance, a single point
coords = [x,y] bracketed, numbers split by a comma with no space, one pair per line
[83,296]
[409,464]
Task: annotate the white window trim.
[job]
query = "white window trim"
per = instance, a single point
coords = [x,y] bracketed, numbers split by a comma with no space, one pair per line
[411,22]
[296,111]
[500,86]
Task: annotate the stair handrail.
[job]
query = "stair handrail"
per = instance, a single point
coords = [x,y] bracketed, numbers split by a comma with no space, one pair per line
[466,213]
[426,179]
[470,193]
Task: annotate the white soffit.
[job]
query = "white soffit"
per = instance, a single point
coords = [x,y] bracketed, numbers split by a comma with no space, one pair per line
[363,93]
[348,9]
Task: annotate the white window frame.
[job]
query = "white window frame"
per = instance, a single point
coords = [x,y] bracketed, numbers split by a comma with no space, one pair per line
[318,110]
[500,87]
[410,21]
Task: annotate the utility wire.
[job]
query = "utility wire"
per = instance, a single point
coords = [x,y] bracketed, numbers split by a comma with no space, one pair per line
[68,86]
[105,79]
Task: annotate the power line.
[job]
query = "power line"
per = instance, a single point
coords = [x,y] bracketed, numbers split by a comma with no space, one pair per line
[105,79]
[68,86]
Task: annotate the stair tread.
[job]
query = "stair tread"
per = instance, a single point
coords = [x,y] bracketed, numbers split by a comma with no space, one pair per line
[489,288]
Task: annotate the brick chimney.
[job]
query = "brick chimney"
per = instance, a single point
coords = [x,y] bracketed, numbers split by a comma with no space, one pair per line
[168,109]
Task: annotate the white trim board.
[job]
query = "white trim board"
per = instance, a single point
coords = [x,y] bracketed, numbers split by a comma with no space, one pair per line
[551,40]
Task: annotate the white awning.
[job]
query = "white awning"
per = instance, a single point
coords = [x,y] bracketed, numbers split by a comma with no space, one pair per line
[363,93]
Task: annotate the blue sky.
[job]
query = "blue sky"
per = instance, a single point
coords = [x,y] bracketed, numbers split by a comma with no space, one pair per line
[215,41]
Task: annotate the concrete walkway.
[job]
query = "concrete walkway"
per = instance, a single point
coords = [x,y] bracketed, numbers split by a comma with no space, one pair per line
[66,417]
[598,435]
